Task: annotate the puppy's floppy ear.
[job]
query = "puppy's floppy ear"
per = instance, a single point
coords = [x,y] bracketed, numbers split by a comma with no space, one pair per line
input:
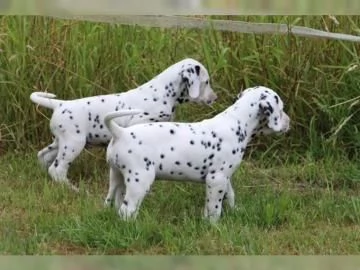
[271,110]
[192,79]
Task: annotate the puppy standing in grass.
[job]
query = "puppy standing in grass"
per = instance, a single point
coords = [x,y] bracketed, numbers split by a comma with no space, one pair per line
[79,122]
[206,152]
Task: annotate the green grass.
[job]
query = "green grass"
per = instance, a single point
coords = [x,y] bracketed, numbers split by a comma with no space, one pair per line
[307,208]
[317,79]
[295,194]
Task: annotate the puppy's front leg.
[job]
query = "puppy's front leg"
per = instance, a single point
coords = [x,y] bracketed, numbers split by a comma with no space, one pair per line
[216,186]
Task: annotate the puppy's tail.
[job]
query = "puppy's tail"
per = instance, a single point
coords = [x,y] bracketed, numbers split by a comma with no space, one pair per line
[112,126]
[45,99]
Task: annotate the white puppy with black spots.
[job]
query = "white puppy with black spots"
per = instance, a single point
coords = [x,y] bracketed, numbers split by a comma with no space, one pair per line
[207,152]
[79,123]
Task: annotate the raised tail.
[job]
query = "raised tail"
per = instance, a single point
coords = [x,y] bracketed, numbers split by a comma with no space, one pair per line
[112,126]
[45,99]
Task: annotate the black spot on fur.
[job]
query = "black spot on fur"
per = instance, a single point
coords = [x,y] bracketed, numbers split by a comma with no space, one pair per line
[276,99]
[197,70]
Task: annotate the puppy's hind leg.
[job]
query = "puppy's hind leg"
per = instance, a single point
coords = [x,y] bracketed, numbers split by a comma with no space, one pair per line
[116,188]
[70,147]
[47,155]
[137,186]
[230,195]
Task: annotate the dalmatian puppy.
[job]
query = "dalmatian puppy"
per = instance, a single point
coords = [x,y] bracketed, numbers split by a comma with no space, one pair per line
[205,152]
[79,123]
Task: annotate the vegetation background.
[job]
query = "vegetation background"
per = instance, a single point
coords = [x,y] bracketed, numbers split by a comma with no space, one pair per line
[298,193]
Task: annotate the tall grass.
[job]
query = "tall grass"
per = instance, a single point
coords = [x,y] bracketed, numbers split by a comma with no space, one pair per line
[318,79]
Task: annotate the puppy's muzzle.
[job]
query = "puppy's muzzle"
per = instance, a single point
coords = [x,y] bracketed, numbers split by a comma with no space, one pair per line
[212,99]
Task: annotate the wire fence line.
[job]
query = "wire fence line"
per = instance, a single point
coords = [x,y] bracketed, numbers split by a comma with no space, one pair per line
[206,23]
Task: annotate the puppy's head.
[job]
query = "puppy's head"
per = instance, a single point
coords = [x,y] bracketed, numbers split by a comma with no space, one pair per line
[196,80]
[271,115]
[271,109]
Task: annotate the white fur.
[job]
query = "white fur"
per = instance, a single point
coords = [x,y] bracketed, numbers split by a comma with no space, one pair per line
[79,122]
[206,152]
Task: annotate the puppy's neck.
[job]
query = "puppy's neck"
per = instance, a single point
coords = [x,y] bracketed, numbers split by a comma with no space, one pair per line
[246,113]
[174,89]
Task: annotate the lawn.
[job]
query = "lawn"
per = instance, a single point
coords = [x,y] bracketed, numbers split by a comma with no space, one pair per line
[305,208]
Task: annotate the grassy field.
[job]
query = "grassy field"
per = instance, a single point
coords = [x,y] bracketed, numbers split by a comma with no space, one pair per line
[295,194]
[309,208]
